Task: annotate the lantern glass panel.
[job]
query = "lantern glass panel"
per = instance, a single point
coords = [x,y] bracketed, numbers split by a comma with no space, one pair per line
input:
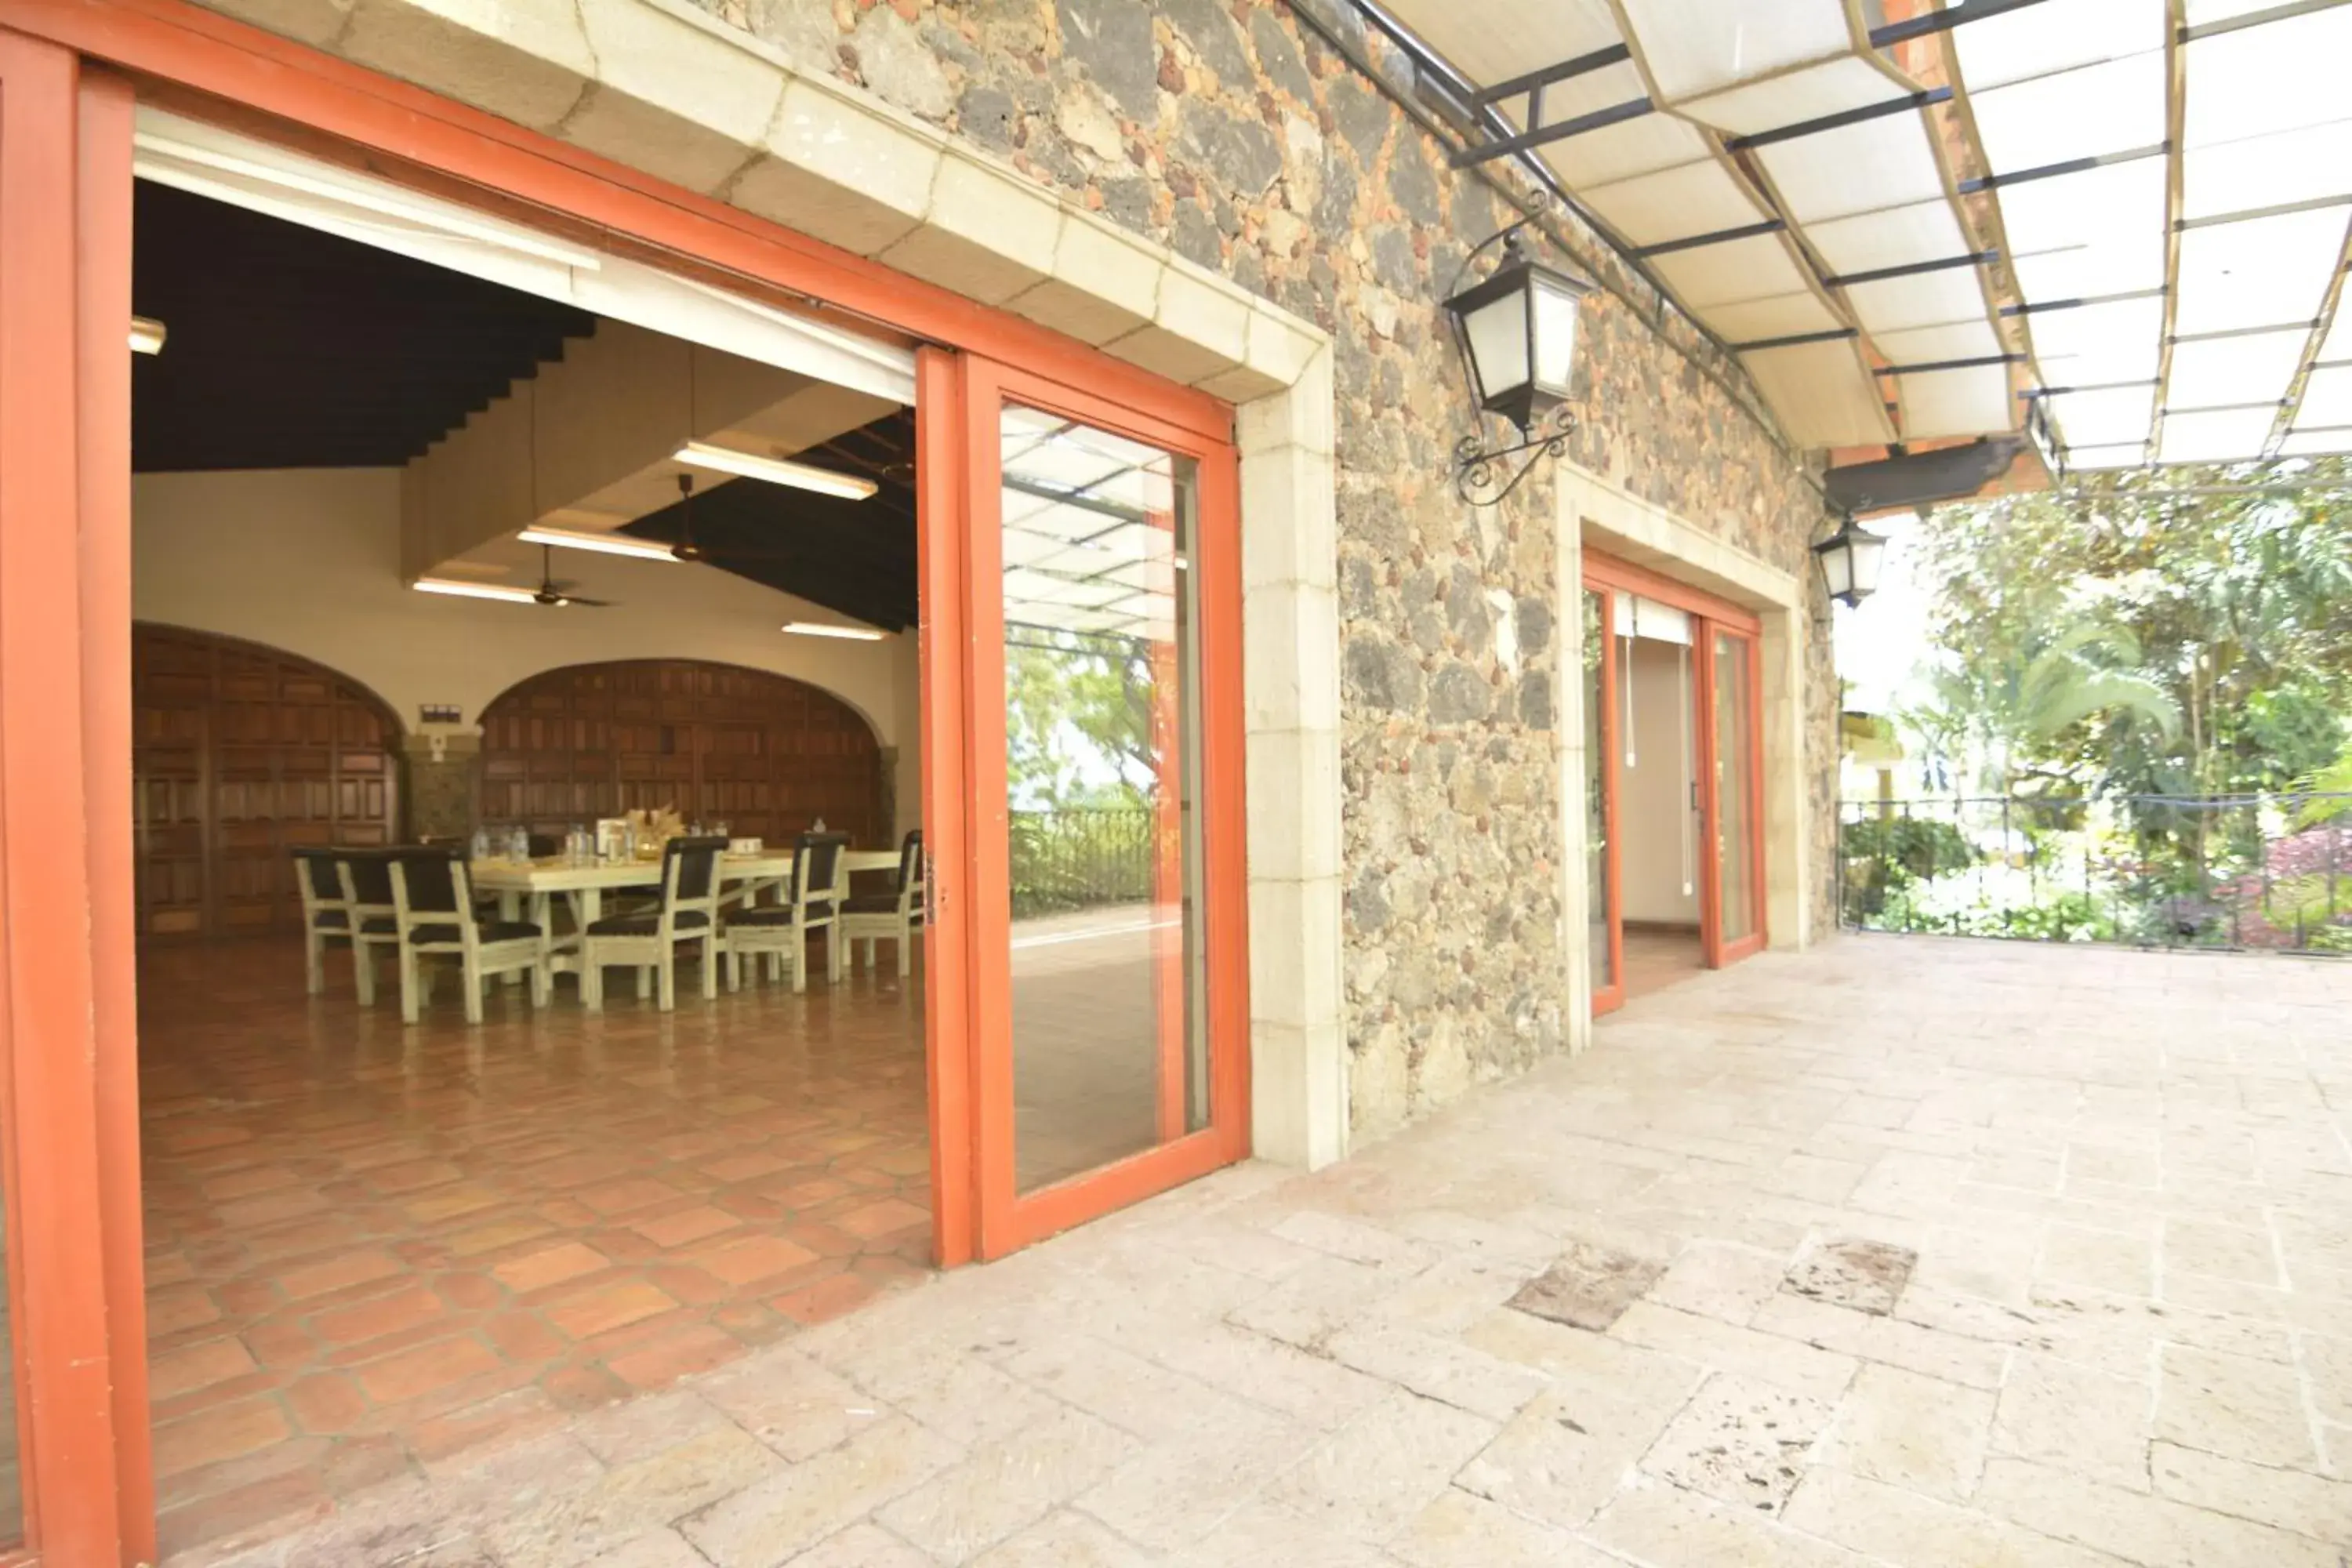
[1554,333]
[1497,335]
[1837,567]
[1868,550]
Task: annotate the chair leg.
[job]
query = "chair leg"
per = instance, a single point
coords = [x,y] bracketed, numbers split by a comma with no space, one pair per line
[363,970]
[734,961]
[797,957]
[710,968]
[906,952]
[475,980]
[411,985]
[542,983]
[836,956]
[592,980]
[666,975]
[314,960]
[645,975]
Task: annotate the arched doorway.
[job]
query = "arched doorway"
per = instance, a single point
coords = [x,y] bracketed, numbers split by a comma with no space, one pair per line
[764,753]
[239,754]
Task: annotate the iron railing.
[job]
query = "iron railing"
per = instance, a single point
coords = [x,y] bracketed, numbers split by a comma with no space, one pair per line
[2269,872]
[1064,860]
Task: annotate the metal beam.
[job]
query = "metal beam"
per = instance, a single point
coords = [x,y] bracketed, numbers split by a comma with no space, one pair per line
[1976,364]
[1943,21]
[1840,120]
[1615,114]
[1566,70]
[1913,268]
[2257,18]
[2039,306]
[2068,166]
[1720,237]
[1834,335]
[2033,392]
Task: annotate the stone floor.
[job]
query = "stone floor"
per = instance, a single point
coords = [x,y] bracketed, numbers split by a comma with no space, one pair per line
[1904,1252]
[1660,956]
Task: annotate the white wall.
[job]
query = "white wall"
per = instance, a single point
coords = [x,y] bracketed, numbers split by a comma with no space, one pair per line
[1653,796]
[308,560]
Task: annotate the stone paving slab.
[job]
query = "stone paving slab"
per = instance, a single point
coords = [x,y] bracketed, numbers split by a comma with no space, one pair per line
[1948,1253]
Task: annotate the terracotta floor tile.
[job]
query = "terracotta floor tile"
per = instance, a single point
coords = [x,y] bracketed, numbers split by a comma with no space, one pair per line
[882,1218]
[372,1248]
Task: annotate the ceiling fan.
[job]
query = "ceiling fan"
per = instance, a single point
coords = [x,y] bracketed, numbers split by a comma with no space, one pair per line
[550,593]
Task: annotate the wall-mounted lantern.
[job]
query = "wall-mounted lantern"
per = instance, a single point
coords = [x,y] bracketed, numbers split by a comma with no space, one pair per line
[1517,334]
[1849,560]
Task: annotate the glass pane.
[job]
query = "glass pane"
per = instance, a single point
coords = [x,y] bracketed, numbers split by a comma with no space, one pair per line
[1596,784]
[1102,691]
[1735,827]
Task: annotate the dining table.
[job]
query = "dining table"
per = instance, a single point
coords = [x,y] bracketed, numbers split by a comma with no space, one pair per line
[527,890]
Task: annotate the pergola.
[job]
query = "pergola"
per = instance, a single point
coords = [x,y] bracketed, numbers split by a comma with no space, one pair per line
[2117,226]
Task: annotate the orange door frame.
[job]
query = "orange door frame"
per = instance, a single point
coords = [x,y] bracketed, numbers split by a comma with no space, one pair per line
[1712,614]
[71,73]
[1609,997]
[1009,1218]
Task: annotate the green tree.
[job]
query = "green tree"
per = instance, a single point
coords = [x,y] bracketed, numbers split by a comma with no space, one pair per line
[1078,711]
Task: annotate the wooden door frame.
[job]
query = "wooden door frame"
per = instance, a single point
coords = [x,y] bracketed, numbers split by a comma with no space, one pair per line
[1710,613]
[75,70]
[1008,1218]
[1609,997]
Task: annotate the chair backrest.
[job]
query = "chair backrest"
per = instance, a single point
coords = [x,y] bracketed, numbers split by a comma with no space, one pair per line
[321,884]
[910,871]
[367,879]
[428,888]
[817,865]
[690,874]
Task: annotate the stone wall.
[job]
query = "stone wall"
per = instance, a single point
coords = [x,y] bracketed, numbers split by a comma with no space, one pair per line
[1236,136]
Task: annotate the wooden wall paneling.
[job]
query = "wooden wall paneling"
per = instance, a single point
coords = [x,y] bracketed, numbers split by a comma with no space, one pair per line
[766,755]
[240,753]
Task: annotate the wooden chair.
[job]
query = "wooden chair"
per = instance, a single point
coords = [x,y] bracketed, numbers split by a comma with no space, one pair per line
[780,931]
[433,903]
[366,877]
[326,914]
[893,916]
[688,912]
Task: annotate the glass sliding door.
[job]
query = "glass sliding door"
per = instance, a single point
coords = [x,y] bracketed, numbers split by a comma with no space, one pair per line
[1604,931]
[1104,614]
[1729,697]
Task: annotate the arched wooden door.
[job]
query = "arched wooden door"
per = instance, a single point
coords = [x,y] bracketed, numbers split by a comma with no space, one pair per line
[239,754]
[766,755]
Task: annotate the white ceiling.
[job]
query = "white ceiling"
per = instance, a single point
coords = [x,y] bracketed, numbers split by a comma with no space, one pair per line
[2169,197]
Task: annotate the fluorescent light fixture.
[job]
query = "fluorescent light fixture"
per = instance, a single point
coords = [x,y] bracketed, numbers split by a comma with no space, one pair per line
[827,629]
[607,544]
[472,590]
[775,471]
[147,335]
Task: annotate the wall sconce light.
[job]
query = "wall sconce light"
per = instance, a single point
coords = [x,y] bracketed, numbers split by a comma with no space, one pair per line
[1517,336]
[1849,560]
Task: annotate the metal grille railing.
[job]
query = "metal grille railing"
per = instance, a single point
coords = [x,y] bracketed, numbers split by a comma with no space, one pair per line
[1064,860]
[2271,872]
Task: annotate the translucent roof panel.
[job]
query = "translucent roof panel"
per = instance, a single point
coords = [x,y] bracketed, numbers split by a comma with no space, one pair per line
[1497,39]
[1924,231]
[2273,170]
[1757,267]
[1879,163]
[2316,443]
[2326,399]
[2220,435]
[2107,108]
[1704,197]
[2056,35]
[2213,373]
[1918,300]
[1832,87]
[1695,46]
[2123,262]
[2119,210]
[1972,402]
[2104,418]
[1822,394]
[2128,455]
[2095,345]
[1931,345]
[1780,316]
[2273,76]
[2258,272]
